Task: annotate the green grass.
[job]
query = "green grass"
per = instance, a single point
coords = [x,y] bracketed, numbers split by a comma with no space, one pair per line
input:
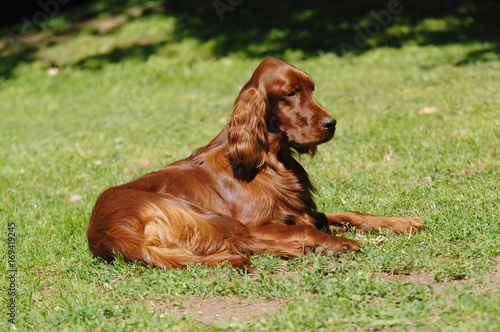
[87,128]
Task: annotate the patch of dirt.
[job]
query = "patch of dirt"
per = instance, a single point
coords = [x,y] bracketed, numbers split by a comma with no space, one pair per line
[213,309]
[487,283]
[419,278]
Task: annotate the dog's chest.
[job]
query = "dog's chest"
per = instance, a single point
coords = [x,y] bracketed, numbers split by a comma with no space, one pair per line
[274,196]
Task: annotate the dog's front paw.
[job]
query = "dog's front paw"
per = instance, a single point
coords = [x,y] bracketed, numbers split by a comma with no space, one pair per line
[409,225]
[337,246]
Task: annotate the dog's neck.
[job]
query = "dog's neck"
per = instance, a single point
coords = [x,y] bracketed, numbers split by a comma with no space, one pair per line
[280,156]
[280,163]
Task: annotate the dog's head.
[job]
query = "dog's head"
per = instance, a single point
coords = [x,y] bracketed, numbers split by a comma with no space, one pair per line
[276,107]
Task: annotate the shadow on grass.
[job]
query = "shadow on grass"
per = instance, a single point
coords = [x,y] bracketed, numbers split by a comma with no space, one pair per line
[134,52]
[484,55]
[257,28]
[261,28]
[19,42]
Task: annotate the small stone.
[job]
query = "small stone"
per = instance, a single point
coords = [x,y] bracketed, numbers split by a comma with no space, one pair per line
[428,110]
[75,198]
[53,71]
[426,180]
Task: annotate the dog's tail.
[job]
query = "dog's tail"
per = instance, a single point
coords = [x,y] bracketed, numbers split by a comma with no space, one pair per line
[133,247]
[177,258]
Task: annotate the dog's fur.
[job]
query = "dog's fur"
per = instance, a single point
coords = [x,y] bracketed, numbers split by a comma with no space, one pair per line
[243,193]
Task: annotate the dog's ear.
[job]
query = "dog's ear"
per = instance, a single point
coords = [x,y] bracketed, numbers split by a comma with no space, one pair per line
[247,129]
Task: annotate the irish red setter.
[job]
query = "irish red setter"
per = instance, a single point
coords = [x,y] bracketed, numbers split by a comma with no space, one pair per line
[242,193]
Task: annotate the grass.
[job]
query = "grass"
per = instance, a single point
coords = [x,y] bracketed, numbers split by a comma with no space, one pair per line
[102,121]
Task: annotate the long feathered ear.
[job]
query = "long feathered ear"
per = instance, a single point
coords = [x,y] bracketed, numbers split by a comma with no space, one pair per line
[247,129]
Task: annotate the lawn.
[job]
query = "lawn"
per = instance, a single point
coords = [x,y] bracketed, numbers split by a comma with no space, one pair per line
[418,134]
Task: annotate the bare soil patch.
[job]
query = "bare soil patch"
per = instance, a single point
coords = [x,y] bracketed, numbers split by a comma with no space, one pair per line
[487,283]
[219,308]
[212,309]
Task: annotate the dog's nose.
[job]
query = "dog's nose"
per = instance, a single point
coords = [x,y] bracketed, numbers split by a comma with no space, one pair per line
[328,123]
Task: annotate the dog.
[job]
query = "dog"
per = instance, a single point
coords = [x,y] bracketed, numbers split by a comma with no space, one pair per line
[243,193]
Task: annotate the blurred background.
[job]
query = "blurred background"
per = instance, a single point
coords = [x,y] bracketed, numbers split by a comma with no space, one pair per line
[251,28]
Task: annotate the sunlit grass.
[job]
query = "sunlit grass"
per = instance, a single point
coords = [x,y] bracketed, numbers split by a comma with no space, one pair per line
[89,127]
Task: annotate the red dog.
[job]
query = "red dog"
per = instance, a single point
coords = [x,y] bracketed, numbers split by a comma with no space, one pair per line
[243,193]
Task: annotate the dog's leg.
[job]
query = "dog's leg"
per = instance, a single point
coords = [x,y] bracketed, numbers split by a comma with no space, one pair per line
[307,236]
[367,222]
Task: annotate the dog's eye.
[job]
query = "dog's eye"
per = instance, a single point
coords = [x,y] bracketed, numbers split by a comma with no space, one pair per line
[290,94]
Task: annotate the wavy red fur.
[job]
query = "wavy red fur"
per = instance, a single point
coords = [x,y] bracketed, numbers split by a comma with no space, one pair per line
[242,193]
